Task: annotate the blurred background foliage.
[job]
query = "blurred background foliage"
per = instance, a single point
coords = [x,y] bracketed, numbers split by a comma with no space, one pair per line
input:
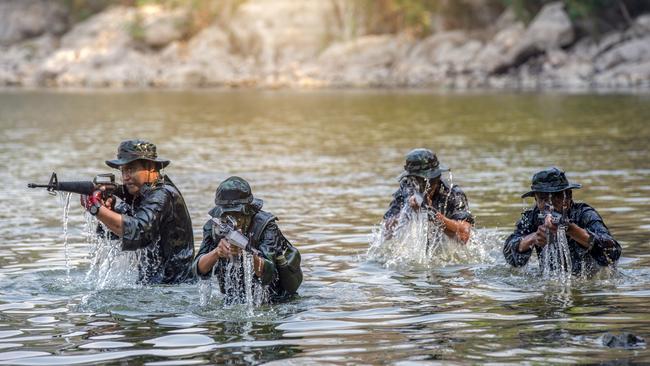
[417,17]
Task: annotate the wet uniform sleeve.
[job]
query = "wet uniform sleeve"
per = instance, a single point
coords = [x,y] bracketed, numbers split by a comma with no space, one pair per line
[143,227]
[605,250]
[395,205]
[458,207]
[207,245]
[510,248]
[273,243]
[269,246]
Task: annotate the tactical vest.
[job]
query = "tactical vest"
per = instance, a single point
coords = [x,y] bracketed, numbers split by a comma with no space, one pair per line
[259,222]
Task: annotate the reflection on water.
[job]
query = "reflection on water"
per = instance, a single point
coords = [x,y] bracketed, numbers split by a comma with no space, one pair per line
[325,163]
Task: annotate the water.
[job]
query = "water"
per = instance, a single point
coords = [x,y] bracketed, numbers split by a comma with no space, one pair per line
[326,164]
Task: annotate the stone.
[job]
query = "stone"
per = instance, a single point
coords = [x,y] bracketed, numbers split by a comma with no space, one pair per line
[634,50]
[550,29]
[623,340]
[24,19]
[160,27]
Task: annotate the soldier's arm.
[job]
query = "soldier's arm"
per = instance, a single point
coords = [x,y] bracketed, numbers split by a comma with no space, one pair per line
[208,255]
[592,234]
[459,223]
[517,248]
[143,228]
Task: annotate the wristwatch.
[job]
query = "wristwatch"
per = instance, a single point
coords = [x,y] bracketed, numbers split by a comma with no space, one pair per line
[94,209]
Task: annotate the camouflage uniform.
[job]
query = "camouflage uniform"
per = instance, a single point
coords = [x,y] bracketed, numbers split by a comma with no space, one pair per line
[603,250]
[280,278]
[157,220]
[424,164]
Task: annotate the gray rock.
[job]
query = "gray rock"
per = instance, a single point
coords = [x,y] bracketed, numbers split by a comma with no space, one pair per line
[160,28]
[623,340]
[634,51]
[24,19]
[550,29]
[495,52]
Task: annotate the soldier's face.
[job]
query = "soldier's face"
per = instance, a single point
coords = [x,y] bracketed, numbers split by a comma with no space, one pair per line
[559,200]
[135,175]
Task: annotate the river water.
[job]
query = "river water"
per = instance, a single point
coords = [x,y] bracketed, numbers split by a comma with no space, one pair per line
[326,164]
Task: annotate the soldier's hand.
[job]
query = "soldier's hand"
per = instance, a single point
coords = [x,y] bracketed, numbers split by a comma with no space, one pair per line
[234,250]
[548,223]
[258,265]
[540,236]
[223,249]
[88,201]
[413,202]
[110,201]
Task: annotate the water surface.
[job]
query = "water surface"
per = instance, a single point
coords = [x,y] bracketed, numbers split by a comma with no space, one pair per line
[326,163]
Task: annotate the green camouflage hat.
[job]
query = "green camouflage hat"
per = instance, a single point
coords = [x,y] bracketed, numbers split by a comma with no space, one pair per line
[234,195]
[422,163]
[131,150]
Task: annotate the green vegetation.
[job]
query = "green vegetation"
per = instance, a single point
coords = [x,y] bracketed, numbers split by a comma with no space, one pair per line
[422,17]
[417,17]
[593,14]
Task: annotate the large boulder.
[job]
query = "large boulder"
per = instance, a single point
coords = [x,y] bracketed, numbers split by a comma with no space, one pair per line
[632,51]
[550,29]
[158,27]
[277,33]
[495,53]
[203,61]
[365,61]
[23,19]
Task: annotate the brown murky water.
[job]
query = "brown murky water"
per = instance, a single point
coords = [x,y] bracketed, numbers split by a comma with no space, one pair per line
[325,163]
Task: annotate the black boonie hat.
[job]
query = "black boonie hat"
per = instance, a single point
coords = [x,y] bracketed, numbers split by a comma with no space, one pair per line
[131,150]
[548,181]
[234,195]
[422,163]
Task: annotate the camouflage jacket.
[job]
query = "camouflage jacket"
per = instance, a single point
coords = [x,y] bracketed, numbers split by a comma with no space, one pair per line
[605,250]
[450,202]
[158,221]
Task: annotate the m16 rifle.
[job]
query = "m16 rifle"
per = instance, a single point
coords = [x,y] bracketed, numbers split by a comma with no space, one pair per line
[227,228]
[557,218]
[84,187]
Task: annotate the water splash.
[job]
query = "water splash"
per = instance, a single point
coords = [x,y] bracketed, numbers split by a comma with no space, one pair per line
[421,242]
[242,290]
[65,198]
[110,266]
[555,257]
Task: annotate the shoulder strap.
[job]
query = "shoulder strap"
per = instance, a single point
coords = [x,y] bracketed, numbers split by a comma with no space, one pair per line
[259,222]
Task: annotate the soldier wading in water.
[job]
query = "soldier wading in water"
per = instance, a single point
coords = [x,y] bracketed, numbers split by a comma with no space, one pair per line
[152,216]
[276,263]
[591,246]
[422,189]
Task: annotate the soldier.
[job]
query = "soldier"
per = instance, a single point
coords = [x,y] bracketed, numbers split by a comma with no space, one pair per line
[589,241]
[152,215]
[422,189]
[276,263]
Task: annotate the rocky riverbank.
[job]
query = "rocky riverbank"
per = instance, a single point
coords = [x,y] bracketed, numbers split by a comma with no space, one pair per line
[304,44]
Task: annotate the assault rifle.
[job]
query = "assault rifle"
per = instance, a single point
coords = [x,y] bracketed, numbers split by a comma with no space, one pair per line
[84,187]
[227,229]
[556,217]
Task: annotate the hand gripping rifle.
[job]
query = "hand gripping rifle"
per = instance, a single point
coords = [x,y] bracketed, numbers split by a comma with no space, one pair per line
[84,187]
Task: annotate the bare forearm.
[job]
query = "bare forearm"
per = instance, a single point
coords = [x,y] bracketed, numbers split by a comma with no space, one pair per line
[112,220]
[457,228]
[207,261]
